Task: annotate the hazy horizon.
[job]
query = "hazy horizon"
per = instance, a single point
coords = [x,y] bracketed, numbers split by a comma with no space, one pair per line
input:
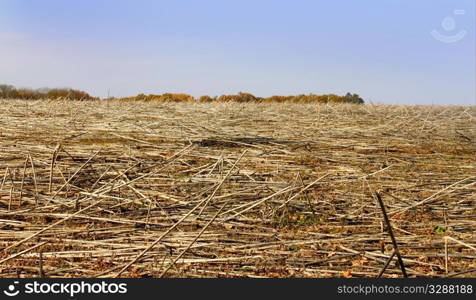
[394,52]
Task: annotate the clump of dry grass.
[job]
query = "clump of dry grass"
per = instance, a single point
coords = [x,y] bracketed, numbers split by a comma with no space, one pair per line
[140,189]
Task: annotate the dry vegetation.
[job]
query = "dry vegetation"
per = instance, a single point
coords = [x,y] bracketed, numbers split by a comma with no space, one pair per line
[247,98]
[138,189]
[11,92]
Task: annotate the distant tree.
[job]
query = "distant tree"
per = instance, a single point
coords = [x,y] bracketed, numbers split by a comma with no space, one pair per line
[140,97]
[333,98]
[8,91]
[206,98]
[241,97]
[178,97]
[277,98]
[28,94]
[67,94]
[353,98]
[245,97]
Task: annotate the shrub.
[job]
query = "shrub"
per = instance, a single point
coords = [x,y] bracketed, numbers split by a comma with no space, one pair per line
[177,97]
[277,98]
[206,98]
[167,97]
[332,98]
[353,98]
[68,94]
[241,97]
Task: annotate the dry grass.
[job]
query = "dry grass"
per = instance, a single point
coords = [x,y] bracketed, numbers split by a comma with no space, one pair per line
[105,189]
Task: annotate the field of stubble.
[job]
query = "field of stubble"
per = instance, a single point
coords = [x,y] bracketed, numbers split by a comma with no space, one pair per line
[134,189]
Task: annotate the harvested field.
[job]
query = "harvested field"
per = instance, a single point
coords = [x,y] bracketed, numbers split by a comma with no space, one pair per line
[135,189]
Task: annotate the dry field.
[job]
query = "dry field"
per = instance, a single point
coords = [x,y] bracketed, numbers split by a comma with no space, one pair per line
[134,189]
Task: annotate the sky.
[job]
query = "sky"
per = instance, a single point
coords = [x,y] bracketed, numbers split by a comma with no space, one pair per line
[391,51]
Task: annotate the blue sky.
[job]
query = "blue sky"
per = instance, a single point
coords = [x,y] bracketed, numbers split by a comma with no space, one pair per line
[382,50]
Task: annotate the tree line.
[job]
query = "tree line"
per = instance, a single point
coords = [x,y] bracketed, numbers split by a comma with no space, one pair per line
[247,97]
[10,92]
